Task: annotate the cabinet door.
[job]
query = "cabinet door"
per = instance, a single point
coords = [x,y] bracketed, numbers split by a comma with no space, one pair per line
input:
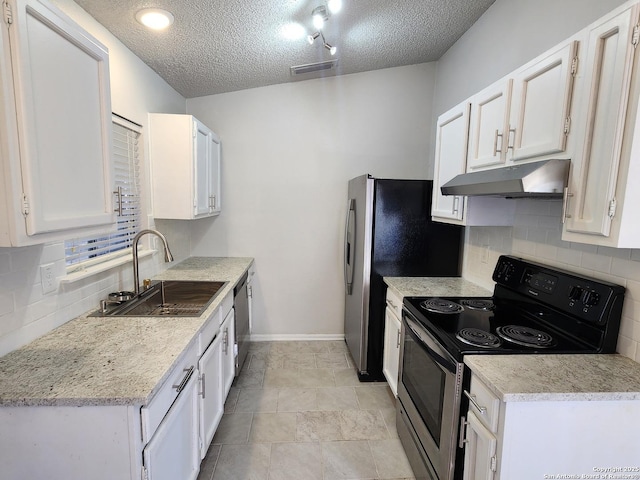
[63,106]
[228,352]
[590,201]
[214,173]
[539,120]
[488,130]
[202,166]
[210,367]
[391,353]
[480,451]
[173,451]
[452,135]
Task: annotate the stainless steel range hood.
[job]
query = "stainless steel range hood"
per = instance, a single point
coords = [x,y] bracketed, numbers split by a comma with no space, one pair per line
[547,178]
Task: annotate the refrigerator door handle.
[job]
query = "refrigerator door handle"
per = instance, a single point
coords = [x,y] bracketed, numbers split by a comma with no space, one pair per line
[349,245]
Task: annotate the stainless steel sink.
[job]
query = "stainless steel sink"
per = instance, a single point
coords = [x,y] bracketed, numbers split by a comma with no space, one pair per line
[168,298]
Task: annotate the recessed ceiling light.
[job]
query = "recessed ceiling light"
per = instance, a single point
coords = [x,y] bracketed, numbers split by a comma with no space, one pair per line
[155,18]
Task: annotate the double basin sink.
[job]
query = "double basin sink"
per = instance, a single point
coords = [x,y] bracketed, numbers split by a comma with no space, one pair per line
[177,298]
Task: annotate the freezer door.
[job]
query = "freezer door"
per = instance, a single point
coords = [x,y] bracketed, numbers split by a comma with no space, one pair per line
[357,266]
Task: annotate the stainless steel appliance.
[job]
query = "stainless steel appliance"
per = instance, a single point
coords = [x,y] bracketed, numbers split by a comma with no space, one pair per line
[241,307]
[388,233]
[534,309]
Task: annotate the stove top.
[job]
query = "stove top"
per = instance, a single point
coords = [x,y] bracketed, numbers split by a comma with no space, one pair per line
[534,309]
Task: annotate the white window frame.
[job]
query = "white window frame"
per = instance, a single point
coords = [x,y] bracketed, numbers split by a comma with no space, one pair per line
[126,157]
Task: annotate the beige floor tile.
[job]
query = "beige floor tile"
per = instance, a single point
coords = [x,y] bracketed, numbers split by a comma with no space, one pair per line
[336,398]
[299,360]
[391,461]
[297,399]
[233,428]
[363,425]
[346,377]
[250,378]
[232,398]
[296,461]
[260,347]
[208,464]
[319,377]
[375,397]
[339,346]
[281,378]
[331,360]
[314,426]
[273,427]
[257,400]
[389,415]
[243,462]
[347,460]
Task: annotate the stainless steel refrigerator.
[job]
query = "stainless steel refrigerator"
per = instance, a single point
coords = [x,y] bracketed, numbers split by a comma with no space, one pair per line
[388,232]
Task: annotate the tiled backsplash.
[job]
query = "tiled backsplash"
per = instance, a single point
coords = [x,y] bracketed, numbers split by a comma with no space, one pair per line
[26,313]
[536,236]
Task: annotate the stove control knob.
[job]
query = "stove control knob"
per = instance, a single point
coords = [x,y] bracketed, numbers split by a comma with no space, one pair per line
[575,293]
[590,298]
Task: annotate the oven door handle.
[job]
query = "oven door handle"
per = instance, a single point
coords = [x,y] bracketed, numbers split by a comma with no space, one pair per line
[439,354]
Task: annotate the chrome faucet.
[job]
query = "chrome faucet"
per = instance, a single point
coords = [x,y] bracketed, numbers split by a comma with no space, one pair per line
[168,257]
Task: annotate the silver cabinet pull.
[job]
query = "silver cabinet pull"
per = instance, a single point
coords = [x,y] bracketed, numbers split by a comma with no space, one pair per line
[509,145]
[474,402]
[456,204]
[225,341]
[462,438]
[565,204]
[495,143]
[398,339]
[183,383]
[390,303]
[203,386]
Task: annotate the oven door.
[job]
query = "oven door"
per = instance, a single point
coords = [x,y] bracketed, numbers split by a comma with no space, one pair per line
[429,391]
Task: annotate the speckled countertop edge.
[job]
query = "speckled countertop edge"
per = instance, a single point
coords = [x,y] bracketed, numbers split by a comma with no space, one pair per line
[524,378]
[111,360]
[435,287]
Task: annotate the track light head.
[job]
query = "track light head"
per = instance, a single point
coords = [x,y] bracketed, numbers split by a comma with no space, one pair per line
[332,50]
[312,38]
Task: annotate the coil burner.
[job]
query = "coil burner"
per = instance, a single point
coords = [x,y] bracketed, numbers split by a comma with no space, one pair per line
[525,336]
[478,338]
[439,305]
[477,304]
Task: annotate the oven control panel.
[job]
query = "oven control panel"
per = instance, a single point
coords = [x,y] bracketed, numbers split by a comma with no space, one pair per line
[587,298]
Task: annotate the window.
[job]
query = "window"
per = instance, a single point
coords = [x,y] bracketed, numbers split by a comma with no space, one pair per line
[83,252]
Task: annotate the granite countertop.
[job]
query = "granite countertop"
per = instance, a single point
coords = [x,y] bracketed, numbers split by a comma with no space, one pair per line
[435,287]
[525,378]
[111,360]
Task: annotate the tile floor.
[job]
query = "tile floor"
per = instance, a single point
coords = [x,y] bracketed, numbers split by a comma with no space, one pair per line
[298,412]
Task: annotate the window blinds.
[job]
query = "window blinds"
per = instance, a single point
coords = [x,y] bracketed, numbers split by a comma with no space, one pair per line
[126,159]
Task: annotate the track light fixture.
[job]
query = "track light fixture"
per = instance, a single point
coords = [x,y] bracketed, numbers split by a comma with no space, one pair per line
[320,15]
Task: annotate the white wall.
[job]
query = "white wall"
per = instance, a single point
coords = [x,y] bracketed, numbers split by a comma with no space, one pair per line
[508,35]
[288,152]
[25,313]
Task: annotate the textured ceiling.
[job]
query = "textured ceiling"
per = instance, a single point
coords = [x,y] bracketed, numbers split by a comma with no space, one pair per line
[217,46]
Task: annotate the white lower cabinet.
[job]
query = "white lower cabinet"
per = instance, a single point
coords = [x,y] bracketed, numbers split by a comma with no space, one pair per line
[211,395]
[173,451]
[391,352]
[536,438]
[228,352]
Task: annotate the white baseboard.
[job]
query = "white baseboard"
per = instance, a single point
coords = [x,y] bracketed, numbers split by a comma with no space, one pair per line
[295,337]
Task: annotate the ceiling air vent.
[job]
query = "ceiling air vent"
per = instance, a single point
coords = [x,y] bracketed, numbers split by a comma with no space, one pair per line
[313,67]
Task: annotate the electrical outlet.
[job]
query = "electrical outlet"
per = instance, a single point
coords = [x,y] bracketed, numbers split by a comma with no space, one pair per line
[484,255]
[48,279]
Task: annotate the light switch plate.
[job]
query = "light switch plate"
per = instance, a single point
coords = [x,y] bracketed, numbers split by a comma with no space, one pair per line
[48,278]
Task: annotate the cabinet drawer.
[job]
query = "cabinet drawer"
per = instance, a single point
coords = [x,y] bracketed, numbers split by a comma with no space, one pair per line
[484,404]
[225,307]
[394,303]
[209,331]
[153,413]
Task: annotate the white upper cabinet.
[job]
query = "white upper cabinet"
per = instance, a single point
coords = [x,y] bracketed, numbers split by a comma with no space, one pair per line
[451,159]
[489,122]
[603,192]
[185,167]
[526,115]
[540,117]
[55,127]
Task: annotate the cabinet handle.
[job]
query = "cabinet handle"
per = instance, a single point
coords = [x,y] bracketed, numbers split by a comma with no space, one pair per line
[398,340]
[472,399]
[183,383]
[118,193]
[509,145]
[565,204]
[202,392]
[391,304]
[225,340]
[495,143]
[462,436]
[456,204]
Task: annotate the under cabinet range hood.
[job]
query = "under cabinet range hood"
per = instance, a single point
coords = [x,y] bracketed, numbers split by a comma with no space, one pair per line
[547,178]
